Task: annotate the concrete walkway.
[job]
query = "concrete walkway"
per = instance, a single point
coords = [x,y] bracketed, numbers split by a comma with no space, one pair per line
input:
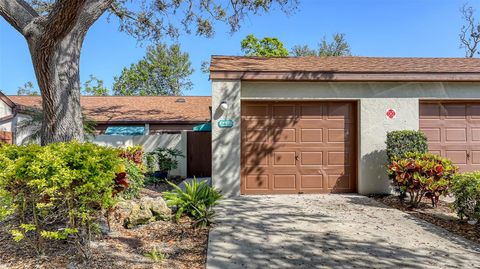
[329,231]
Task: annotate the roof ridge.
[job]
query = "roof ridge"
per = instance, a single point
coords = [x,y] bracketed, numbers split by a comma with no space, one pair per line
[341,57]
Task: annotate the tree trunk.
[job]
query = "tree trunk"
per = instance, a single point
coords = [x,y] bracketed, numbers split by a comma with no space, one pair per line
[56,64]
[55,41]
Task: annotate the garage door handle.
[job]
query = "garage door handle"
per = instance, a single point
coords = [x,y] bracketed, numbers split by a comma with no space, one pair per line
[468,156]
[296,158]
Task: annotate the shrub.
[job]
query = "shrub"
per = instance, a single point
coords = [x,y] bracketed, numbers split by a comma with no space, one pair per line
[136,180]
[57,191]
[402,142]
[466,189]
[131,182]
[421,174]
[163,159]
[196,201]
[134,154]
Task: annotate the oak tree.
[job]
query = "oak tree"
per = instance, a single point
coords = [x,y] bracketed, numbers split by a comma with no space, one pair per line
[265,47]
[164,70]
[55,31]
[94,87]
[338,46]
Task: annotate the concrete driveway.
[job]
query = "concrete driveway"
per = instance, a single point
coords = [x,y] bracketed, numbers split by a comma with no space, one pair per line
[329,231]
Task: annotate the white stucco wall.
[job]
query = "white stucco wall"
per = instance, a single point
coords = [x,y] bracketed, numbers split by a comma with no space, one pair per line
[21,135]
[226,141]
[373,99]
[5,110]
[149,143]
[373,127]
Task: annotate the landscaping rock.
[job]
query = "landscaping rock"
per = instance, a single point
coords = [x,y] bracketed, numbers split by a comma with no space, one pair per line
[147,209]
[158,206]
[139,215]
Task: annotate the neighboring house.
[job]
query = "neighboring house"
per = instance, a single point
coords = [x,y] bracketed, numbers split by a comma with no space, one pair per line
[141,115]
[150,121]
[318,124]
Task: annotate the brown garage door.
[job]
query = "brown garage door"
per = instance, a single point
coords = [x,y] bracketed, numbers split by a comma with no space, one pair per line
[453,131]
[293,147]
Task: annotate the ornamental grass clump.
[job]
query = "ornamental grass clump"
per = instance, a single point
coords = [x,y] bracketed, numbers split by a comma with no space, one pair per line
[422,175]
[57,192]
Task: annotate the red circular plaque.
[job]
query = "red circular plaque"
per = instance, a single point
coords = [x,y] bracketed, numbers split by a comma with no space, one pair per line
[391,113]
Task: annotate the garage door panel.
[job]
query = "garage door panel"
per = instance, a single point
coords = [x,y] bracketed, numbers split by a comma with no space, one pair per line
[455,111]
[256,123]
[475,134]
[257,182]
[255,110]
[457,156]
[256,135]
[307,143]
[338,158]
[284,158]
[311,111]
[433,134]
[339,111]
[475,155]
[311,135]
[336,135]
[284,111]
[338,181]
[284,181]
[311,158]
[286,135]
[251,158]
[430,111]
[312,182]
[474,111]
[455,134]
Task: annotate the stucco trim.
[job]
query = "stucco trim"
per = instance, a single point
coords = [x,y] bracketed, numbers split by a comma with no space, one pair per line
[346,77]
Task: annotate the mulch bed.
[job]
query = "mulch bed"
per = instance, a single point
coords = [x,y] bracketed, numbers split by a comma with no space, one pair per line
[442,215]
[162,185]
[183,246]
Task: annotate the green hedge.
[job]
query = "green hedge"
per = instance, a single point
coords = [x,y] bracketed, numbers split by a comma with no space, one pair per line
[466,189]
[401,142]
[56,191]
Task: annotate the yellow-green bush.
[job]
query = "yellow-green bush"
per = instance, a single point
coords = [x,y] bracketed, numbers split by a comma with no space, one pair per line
[466,189]
[56,191]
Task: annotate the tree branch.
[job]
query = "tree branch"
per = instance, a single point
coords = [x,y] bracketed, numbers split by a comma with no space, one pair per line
[92,10]
[62,18]
[469,33]
[17,13]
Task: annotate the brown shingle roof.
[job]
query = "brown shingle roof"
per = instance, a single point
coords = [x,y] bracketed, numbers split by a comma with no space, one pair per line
[136,108]
[345,68]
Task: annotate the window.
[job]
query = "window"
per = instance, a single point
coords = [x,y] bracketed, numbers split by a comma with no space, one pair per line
[125,130]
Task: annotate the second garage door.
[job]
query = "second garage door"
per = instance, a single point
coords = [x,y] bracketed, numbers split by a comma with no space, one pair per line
[453,131]
[292,147]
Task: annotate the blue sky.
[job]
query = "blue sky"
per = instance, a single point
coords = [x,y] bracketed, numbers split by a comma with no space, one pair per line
[417,28]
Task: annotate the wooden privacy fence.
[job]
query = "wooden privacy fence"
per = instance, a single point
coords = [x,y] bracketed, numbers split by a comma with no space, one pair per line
[199,154]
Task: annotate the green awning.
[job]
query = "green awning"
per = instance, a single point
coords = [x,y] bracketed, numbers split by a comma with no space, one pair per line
[205,127]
